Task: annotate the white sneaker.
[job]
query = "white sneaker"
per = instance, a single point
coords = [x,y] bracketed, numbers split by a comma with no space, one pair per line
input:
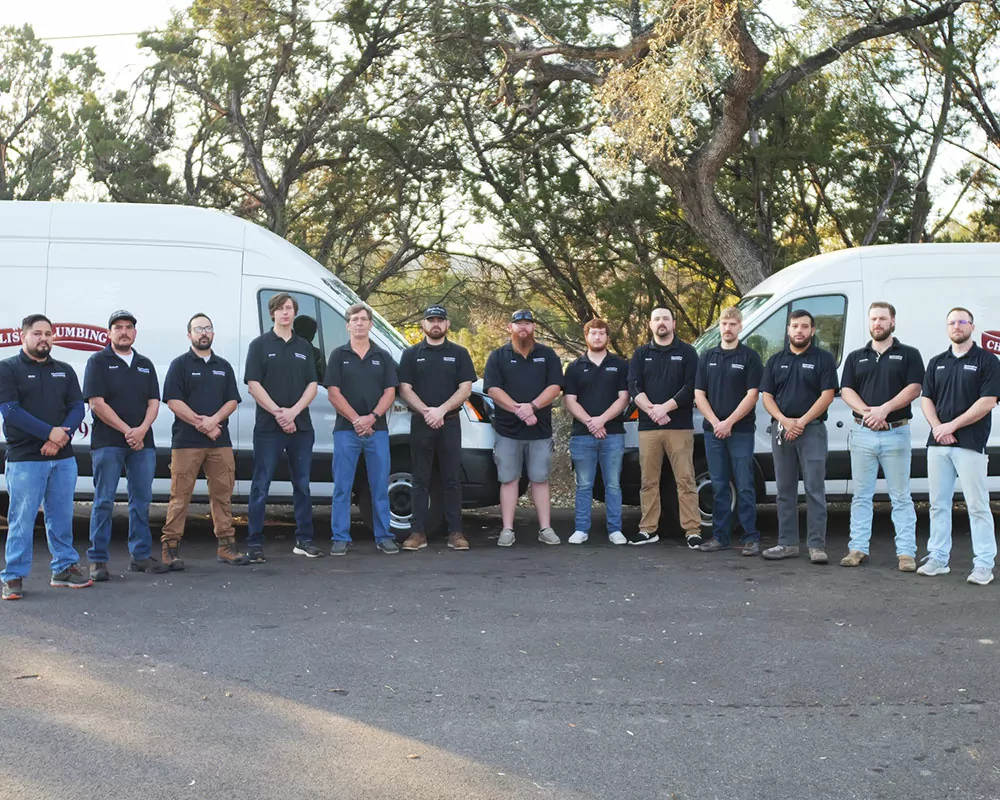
[617,538]
[980,576]
[578,537]
[506,537]
[548,536]
[932,568]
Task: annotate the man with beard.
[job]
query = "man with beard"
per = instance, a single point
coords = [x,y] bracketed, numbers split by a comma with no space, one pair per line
[960,390]
[661,379]
[798,386]
[42,406]
[200,388]
[124,396]
[880,382]
[281,377]
[361,383]
[596,393]
[523,378]
[435,379]
[725,392]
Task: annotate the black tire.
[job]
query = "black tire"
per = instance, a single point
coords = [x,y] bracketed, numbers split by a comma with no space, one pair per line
[400,499]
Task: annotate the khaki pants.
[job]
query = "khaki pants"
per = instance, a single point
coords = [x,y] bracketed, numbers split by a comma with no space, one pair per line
[220,471]
[678,446]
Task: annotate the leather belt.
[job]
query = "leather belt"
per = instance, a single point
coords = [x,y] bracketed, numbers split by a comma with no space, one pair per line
[899,423]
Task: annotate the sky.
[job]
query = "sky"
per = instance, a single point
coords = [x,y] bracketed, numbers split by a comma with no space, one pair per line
[117,55]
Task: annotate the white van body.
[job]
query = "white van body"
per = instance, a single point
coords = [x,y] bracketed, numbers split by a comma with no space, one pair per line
[923,281]
[79,262]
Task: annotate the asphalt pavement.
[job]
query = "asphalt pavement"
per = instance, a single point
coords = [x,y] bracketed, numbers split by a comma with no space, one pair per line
[587,671]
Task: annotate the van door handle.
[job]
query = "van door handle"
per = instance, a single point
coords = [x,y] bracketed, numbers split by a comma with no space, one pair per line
[840,423]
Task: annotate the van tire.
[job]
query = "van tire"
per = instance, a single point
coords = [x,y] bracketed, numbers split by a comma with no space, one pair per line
[400,500]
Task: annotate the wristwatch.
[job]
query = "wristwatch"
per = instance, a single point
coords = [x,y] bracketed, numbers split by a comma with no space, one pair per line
[533,406]
[376,415]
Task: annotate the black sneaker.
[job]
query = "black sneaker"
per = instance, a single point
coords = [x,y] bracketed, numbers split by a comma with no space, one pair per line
[387,546]
[256,555]
[12,589]
[99,571]
[147,565]
[339,548]
[307,549]
[641,537]
[71,578]
[694,541]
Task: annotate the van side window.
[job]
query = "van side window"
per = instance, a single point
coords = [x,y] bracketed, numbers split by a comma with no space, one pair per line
[769,337]
[334,329]
[830,312]
[307,322]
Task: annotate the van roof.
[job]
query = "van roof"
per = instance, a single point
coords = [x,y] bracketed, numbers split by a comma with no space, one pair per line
[845,265]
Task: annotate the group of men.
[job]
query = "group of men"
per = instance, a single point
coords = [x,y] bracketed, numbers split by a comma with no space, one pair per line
[42,405]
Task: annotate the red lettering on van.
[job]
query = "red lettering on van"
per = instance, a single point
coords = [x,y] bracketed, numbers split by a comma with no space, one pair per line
[71,335]
[991,341]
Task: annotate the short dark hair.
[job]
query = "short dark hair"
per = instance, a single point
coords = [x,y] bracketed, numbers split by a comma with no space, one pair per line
[963,310]
[597,323]
[279,300]
[32,319]
[193,318]
[670,311]
[883,304]
[798,313]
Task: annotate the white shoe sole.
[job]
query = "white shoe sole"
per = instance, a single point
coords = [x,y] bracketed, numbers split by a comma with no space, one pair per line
[300,552]
[944,571]
[650,540]
[979,583]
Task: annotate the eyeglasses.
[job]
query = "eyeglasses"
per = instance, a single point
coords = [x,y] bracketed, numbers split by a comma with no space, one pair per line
[203,329]
[524,316]
[958,322]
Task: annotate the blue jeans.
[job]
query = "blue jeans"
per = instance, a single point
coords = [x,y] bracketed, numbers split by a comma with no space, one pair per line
[892,450]
[347,448]
[943,465]
[731,460]
[139,466]
[49,484]
[267,449]
[587,452]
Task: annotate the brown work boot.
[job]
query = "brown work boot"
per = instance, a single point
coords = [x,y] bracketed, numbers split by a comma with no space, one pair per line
[457,542]
[228,554]
[415,541]
[907,564]
[170,556]
[854,558]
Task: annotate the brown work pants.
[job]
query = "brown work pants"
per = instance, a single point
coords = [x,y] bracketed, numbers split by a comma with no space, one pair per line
[678,446]
[220,471]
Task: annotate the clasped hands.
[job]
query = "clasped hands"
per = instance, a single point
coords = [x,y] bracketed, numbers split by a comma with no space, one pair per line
[58,439]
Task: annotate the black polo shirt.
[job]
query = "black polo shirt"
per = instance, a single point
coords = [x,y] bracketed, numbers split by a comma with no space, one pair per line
[50,392]
[879,378]
[954,385]
[204,386]
[596,387]
[523,378]
[725,376]
[435,371]
[665,373]
[362,381]
[284,369]
[797,381]
[126,388]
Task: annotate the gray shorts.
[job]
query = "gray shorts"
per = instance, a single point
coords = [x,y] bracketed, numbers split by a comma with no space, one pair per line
[511,455]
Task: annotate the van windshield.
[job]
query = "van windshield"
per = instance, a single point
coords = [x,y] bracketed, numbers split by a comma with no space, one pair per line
[711,337]
[389,333]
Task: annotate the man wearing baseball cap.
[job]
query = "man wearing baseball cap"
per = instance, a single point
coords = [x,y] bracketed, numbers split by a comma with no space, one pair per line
[523,378]
[121,388]
[435,379]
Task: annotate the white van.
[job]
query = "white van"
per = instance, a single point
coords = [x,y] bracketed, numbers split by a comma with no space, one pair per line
[923,281]
[78,262]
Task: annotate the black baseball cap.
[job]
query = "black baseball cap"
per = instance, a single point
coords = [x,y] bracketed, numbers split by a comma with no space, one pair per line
[121,314]
[436,311]
[522,315]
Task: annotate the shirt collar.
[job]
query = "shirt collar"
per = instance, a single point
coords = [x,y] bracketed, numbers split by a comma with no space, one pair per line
[26,360]
[194,357]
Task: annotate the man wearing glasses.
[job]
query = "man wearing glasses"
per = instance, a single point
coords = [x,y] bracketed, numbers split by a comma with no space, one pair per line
[960,391]
[200,388]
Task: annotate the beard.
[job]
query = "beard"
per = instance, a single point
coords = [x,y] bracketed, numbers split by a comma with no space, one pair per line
[881,336]
[961,337]
[40,350]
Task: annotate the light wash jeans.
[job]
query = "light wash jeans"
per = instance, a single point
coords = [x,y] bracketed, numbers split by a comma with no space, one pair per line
[892,449]
[49,485]
[347,449]
[587,452]
[943,465]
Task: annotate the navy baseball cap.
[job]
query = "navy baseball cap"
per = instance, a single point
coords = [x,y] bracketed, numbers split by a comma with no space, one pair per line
[435,311]
[121,314]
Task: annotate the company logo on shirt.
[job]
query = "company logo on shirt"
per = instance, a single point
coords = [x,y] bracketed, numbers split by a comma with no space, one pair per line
[376,363]
[676,358]
[895,358]
[57,375]
[71,335]
[112,366]
[783,366]
[447,358]
[612,369]
[738,366]
[144,370]
[537,360]
[195,374]
[970,367]
[419,360]
[221,372]
[808,366]
[271,355]
[301,355]
[862,360]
